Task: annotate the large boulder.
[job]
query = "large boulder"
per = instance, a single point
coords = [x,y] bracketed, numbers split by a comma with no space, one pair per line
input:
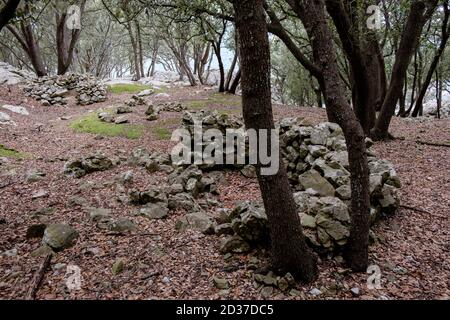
[59,236]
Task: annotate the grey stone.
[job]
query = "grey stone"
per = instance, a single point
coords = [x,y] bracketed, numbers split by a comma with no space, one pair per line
[313,180]
[60,236]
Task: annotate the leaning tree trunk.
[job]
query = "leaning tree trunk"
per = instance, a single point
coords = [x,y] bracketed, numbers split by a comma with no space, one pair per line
[235,84]
[408,43]
[437,57]
[312,14]
[290,252]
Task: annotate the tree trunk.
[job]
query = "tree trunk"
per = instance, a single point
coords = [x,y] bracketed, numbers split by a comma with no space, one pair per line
[312,14]
[289,250]
[30,46]
[8,12]
[408,43]
[217,51]
[231,71]
[235,83]
[444,38]
[140,48]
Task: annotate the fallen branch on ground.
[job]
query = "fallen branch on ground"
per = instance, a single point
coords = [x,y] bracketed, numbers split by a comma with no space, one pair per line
[434,144]
[39,276]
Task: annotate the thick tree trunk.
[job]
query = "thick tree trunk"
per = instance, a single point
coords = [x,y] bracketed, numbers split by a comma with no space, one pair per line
[312,14]
[8,12]
[408,43]
[30,46]
[289,250]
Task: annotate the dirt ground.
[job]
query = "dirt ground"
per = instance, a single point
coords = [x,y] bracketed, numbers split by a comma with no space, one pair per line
[413,248]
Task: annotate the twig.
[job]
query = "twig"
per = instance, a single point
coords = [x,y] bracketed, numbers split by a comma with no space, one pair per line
[150,275]
[38,277]
[422,211]
[434,144]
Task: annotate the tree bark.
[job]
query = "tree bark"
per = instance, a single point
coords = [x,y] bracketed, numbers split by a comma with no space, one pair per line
[8,12]
[445,34]
[289,250]
[312,14]
[417,17]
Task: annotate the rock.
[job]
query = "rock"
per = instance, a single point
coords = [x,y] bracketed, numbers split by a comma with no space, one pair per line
[75,201]
[355,291]
[154,211]
[333,228]
[5,119]
[34,176]
[59,236]
[313,180]
[334,208]
[308,221]
[36,231]
[315,292]
[106,117]
[126,177]
[344,192]
[221,283]
[16,109]
[122,225]
[124,109]
[118,267]
[250,222]
[283,284]
[249,171]
[98,214]
[182,201]
[145,93]
[197,221]
[389,200]
[224,229]
[266,292]
[80,167]
[234,244]
[40,194]
[121,120]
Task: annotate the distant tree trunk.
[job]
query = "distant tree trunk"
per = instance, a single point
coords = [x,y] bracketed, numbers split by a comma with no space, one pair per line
[235,83]
[8,12]
[312,14]
[439,84]
[140,48]
[444,39]
[289,250]
[417,17]
[217,51]
[231,71]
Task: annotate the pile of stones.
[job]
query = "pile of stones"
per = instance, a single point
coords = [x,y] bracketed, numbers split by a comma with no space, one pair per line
[212,120]
[78,168]
[171,107]
[317,162]
[90,91]
[53,90]
[139,99]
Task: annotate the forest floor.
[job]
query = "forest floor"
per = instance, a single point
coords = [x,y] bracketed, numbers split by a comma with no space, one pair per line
[412,251]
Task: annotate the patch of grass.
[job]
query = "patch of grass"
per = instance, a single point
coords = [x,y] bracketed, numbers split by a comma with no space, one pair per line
[92,124]
[11,153]
[127,88]
[163,130]
[228,103]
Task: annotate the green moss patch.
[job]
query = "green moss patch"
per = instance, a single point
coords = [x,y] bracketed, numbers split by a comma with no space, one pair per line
[163,130]
[127,88]
[92,124]
[11,153]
